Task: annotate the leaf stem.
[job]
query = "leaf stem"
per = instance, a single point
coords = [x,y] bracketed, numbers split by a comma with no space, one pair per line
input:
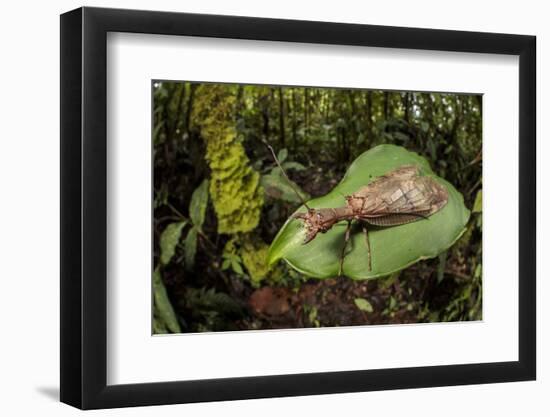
[206,239]
[175,210]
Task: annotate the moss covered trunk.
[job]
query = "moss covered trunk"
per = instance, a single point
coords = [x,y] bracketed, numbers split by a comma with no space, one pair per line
[234,187]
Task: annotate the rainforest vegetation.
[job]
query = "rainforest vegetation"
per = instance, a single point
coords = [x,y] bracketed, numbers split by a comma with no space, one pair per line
[220,199]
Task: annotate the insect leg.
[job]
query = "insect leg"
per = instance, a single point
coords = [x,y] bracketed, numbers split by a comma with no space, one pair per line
[342,256]
[368,244]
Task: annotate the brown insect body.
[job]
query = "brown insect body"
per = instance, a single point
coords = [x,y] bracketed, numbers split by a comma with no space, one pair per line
[401,196]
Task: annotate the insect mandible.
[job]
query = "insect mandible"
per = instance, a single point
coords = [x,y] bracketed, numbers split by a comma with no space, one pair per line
[398,197]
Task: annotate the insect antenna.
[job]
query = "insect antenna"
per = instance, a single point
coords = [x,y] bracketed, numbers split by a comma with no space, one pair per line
[286,176]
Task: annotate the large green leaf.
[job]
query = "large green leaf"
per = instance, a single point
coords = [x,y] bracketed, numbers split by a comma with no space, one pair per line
[199,201]
[478,203]
[166,317]
[191,247]
[169,240]
[392,248]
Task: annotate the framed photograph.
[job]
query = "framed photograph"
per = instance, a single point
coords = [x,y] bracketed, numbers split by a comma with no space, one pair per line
[258,208]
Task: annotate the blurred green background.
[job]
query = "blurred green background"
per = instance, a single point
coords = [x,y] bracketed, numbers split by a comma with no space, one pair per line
[219,200]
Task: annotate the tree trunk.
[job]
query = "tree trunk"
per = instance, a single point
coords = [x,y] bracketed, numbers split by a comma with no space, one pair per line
[406,105]
[189,106]
[282,118]
[368,111]
[263,99]
[386,105]
[306,113]
[354,127]
[294,122]
[480,104]
[180,115]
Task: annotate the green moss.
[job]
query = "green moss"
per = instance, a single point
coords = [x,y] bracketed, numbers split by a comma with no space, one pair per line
[252,252]
[254,255]
[234,187]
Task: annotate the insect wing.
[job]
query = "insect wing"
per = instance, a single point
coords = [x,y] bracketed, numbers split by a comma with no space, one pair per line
[406,172]
[402,192]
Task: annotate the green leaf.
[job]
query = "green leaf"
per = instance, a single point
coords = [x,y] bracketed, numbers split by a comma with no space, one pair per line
[363,305]
[400,136]
[432,148]
[293,165]
[478,203]
[281,156]
[199,201]
[202,300]
[191,247]
[278,187]
[392,248]
[169,239]
[163,307]
[390,280]
[156,132]
[237,268]
[477,271]
[158,326]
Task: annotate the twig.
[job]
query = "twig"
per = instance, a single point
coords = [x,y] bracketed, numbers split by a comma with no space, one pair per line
[161,219]
[457,274]
[206,239]
[477,184]
[286,176]
[476,159]
[175,210]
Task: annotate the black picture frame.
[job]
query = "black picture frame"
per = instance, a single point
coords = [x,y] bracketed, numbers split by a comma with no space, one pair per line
[84,207]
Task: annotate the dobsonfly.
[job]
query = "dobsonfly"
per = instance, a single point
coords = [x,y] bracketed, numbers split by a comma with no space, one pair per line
[398,197]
